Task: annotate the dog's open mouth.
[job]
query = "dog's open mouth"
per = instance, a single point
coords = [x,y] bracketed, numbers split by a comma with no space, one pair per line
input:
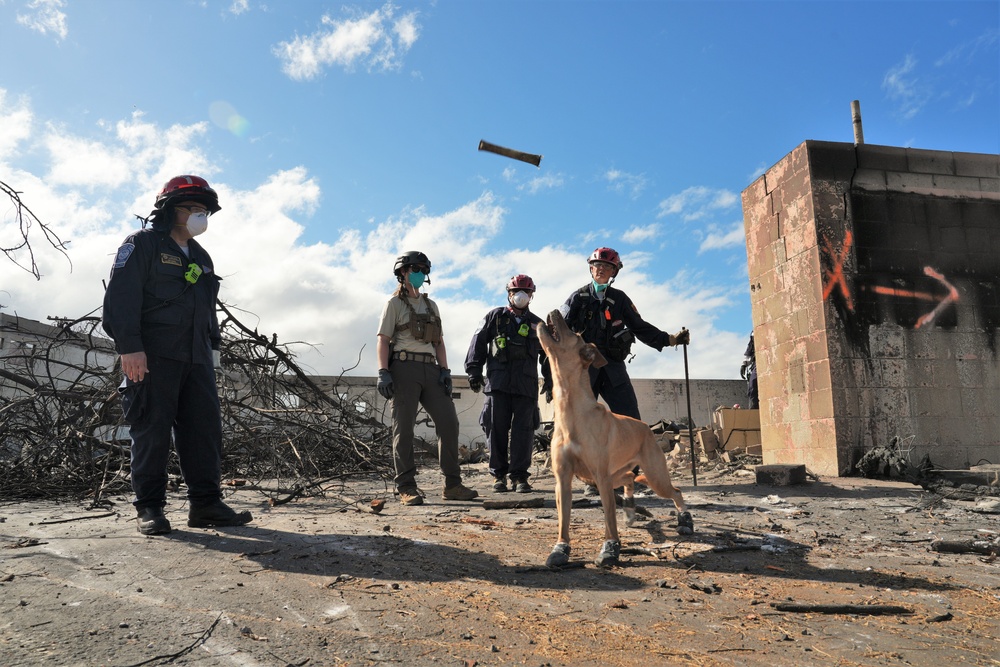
[551,328]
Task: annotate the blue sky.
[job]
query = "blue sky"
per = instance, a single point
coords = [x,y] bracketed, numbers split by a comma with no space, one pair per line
[339,135]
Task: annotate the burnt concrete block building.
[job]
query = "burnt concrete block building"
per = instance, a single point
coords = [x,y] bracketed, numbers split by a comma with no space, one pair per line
[875,294]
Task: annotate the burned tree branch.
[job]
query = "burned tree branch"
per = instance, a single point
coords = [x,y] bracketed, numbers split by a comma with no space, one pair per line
[62,431]
[24,217]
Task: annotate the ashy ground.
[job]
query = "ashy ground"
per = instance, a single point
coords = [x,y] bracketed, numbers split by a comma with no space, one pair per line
[321,581]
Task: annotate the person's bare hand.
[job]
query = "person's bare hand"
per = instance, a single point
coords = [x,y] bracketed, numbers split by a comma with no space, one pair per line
[134,366]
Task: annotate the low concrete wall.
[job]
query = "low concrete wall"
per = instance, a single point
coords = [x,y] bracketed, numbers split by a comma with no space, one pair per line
[658,399]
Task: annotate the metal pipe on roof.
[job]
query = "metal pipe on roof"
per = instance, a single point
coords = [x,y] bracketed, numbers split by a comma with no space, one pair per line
[859,134]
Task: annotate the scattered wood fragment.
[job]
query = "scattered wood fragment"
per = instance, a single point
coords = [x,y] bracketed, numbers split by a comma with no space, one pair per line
[513,504]
[859,609]
[479,522]
[966,547]
[77,518]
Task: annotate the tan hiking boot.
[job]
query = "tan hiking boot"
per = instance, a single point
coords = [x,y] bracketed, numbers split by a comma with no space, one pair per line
[460,492]
[411,496]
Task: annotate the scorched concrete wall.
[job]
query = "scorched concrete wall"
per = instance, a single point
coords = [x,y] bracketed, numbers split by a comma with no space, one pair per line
[875,294]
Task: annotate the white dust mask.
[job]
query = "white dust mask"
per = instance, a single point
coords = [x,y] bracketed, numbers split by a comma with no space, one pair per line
[520,300]
[197,223]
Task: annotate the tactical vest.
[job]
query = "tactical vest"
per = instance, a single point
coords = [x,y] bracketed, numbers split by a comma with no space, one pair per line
[608,333]
[425,327]
[511,341]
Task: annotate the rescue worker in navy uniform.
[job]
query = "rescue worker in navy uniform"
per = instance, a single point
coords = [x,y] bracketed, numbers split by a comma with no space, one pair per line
[159,308]
[606,317]
[748,371]
[506,342]
[413,372]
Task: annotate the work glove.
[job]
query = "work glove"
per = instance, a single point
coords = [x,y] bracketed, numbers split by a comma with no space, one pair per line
[385,383]
[445,380]
[547,389]
[743,370]
[476,383]
[682,337]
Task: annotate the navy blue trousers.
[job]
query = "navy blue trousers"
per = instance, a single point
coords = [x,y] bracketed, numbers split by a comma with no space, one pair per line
[181,400]
[508,420]
[620,398]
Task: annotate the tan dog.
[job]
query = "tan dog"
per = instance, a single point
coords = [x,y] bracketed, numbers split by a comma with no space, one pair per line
[596,445]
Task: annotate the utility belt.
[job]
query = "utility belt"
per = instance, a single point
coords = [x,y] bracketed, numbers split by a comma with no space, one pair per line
[422,357]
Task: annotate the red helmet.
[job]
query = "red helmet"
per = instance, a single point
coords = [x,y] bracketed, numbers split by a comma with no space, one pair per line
[193,188]
[609,255]
[521,282]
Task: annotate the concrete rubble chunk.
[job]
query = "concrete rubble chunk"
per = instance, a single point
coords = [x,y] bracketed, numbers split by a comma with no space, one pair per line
[781,474]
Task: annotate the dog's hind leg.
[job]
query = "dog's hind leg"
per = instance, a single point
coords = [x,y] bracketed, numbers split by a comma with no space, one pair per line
[628,499]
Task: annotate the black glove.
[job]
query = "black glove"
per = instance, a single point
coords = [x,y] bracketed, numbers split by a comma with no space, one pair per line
[682,337]
[476,383]
[547,389]
[385,383]
[445,380]
[743,370]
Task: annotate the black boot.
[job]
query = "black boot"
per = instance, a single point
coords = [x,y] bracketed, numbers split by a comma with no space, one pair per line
[521,485]
[216,513]
[152,521]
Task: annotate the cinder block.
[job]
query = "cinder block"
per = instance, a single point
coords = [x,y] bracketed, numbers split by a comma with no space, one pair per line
[781,475]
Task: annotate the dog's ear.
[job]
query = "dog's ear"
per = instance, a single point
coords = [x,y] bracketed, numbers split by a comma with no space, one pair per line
[592,357]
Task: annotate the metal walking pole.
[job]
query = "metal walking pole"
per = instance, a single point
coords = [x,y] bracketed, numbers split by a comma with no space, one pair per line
[687,390]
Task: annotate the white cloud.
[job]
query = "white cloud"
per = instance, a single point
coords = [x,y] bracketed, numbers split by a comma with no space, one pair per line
[239,7]
[697,202]
[719,239]
[325,296]
[539,183]
[902,87]
[46,17]
[622,182]
[15,125]
[636,234]
[374,40]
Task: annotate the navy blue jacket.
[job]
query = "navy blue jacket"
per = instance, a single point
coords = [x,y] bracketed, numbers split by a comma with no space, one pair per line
[150,307]
[512,368]
[600,321]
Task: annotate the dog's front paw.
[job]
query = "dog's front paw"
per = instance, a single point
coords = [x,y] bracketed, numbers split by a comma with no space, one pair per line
[685,524]
[559,556]
[609,554]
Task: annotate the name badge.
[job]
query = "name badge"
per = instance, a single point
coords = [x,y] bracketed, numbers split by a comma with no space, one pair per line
[166,258]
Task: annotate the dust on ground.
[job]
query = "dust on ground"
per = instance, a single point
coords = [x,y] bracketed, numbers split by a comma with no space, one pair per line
[324,581]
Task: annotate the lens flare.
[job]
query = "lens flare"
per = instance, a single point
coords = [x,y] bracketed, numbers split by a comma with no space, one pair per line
[225,116]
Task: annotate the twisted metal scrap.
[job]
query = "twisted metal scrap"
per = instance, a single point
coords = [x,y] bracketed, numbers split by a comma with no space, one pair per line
[62,433]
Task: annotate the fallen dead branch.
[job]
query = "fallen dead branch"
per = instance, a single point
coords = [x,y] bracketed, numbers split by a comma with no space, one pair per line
[62,432]
[858,609]
[77,518]
[966,547]
[513,504]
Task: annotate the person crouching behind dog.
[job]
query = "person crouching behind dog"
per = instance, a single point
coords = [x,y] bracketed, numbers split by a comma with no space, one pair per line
[606,317]
[413,372]
[506,342]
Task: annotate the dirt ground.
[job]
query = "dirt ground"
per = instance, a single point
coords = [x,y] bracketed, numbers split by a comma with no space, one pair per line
[319,581]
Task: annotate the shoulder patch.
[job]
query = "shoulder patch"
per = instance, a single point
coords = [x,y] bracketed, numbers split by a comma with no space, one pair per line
[124,252]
